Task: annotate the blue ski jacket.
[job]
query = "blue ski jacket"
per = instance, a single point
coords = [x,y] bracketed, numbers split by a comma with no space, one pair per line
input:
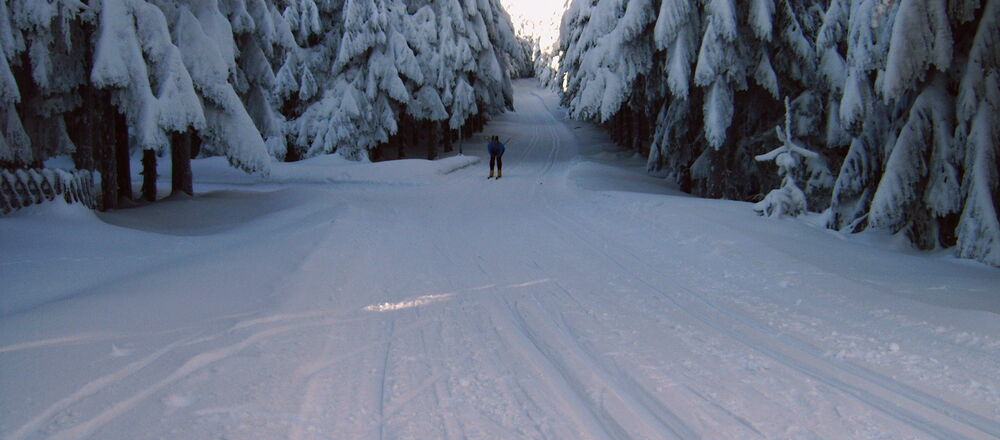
[495,148]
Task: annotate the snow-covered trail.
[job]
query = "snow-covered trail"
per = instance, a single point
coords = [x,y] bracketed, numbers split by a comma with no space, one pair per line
[571,299]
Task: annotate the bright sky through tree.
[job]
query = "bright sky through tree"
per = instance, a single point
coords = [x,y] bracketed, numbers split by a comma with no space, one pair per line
[537,18]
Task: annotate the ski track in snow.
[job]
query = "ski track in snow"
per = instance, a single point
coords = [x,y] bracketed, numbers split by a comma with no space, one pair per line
[909,405]
[524,307]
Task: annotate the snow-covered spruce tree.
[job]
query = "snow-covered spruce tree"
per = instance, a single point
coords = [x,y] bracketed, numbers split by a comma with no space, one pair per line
[978,133]
[491,39]
[864,29]
[574,22]
[546,64]
[62,111]
[489,36]
[394,74]
[852,99]
[538,47]
[673,146]
[615,53]
[224,76]
[743,64]
[606,66]
[700,65]
[545,48]
[262,42]
[465,52]
[457,94]
[15,145]
[896,95]
[522,64]
[308,34]
[904,170]
[426,110]
[106,79]
[56,53]
[905,188]
[355,114]
[791,159]
[130,33]
[305,21]
[979,227]
[205,38]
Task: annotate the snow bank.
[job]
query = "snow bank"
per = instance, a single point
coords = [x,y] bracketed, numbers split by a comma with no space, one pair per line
[47,239]
[450,165]
[326,169]
[56,251]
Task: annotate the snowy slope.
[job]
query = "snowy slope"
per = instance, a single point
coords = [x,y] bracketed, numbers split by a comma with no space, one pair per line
[573,299]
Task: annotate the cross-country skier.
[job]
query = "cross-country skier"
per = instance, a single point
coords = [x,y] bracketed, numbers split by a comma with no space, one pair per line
[496,148]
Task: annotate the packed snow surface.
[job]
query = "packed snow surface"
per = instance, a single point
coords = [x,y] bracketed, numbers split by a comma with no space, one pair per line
[575,298]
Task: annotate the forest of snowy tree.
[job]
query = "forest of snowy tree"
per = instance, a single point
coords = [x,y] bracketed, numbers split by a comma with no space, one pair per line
[252,80]
[880,113]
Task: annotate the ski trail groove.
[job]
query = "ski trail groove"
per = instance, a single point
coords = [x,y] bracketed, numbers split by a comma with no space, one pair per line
[637,400]
[915,408]
[382,379]
[91,388]
[577,386]
[193,364]
[569,396]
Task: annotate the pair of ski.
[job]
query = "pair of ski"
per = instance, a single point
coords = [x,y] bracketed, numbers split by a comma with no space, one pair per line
[494,177]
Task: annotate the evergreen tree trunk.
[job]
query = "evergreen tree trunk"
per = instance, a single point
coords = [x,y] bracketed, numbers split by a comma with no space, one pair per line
[410,137]
[375,154]
[102,139]
[386,150]
[414,142]
[93,130]
[149,175]
[430,128]
[480,122]
[647,135]
[466,130]
[195,145]
[448,147]
[637,129]
[620,129]
[82,130]
[624,140]
[180,156]
[292,154]
[632,136]
[122,158]
[397,140]
[79,122]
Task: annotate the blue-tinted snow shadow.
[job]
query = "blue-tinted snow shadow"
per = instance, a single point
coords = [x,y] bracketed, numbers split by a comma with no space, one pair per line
[603,166]
[208,213]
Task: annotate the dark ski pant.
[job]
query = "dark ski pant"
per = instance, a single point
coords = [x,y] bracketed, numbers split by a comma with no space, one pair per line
[496,158]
